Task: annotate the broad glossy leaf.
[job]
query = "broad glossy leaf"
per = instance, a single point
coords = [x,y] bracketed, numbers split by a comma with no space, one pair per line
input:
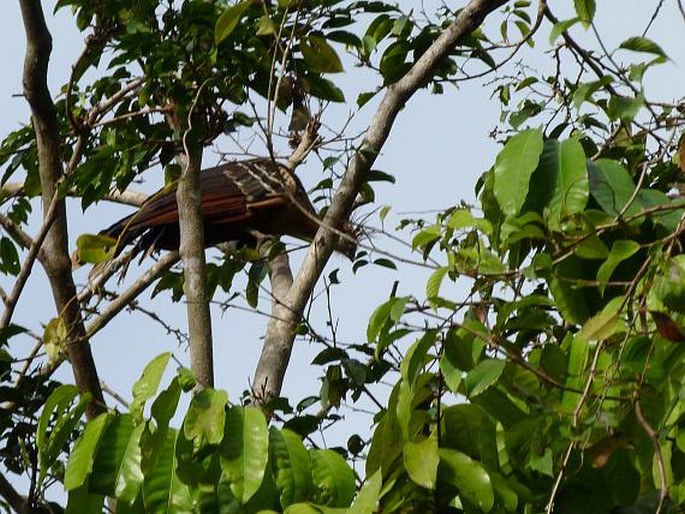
[117,468]
[670,218]
[559,27]
[625,107]
[245,450]
[391,310]
[461,428]
[366,501]
[415,358]
[468,476]
[421,459]
[146,386]
[612,187]
[80,501]
[484,375]
[204,421]
[586,10]
[51,443]
[291,466]
[319,55]
[81,459]
[333,479]
[513,168]
[643,44]
[565,160]
[620,251]
[163,492]
[604,324]
[229,20]
[9,257]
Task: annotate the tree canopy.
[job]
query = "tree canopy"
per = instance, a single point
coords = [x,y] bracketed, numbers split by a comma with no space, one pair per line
[540,369]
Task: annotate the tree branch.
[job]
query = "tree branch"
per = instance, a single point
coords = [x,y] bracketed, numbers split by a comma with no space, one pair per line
[280,332]
[125,298]
[192,250]
[10,494]
[58,263]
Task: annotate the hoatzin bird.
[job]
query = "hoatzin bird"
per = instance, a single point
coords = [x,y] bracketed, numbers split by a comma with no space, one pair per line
[237,199]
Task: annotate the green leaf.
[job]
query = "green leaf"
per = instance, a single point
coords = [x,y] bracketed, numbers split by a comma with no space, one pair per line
[434,282]
[468,476]
[586,11]
[642,44]
[95,249]
[204,421]
[81,459]
[255,276]
[366,501]
[390,311]
[82,502]
[451,374]
[291,466]
[585,91]
[612,187]
[513,167]
[415,358]
[51,443]
[9,257]
[624,107]
[245,451]
[333,479]
[117,468]
[55,338]
[602,325]
[565,160]
[319,55]
[559,27]
[620,251]
[228,20]
[146,386]
[421,461]
[484,375]
[163,492]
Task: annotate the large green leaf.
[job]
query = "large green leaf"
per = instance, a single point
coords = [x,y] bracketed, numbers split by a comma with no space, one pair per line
[612,187]
[513,167]
[484,375]
[146,386]
[229,19]
[117,468]
[468,476]
[566,161]
[366,501]
[204,421]
[421,459]
[245,450]
[415,358]
[643,44]
[291,466]
[81,459]
[163,492]
[462,428]
[319,55]
[51,442]
[82,502]
[585,10]
[620,251]
[333,479]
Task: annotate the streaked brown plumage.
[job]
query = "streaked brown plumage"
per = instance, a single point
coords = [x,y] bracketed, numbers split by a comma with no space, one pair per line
[237,199]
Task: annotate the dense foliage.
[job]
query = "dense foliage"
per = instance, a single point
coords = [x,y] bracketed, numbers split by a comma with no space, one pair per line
[555,384]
